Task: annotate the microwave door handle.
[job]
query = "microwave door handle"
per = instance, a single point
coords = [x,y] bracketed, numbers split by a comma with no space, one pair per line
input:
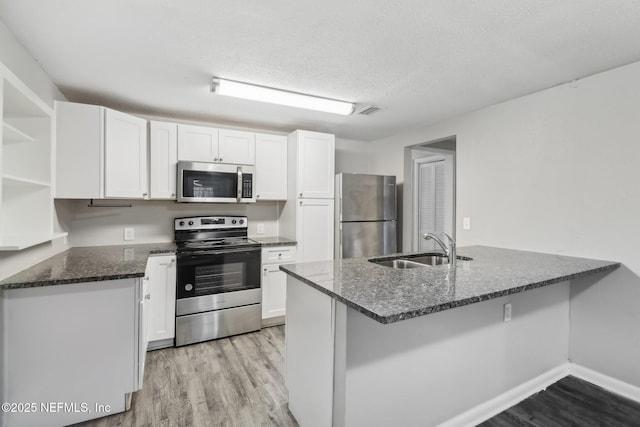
[239,195]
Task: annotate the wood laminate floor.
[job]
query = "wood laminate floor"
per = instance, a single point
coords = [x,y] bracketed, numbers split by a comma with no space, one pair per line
[570,402]
[237,381]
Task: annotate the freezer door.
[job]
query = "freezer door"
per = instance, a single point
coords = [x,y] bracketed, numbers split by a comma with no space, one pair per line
[360,239]
[367,197]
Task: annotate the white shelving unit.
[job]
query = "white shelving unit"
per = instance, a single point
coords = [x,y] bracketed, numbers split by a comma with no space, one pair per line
[26,196]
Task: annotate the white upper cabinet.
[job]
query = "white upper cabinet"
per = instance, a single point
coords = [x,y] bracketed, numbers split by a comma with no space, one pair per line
[99,153]
[315,165]
[271,167]
[163,157]
[236,147]
[205,144]
[197,143]
[125,156]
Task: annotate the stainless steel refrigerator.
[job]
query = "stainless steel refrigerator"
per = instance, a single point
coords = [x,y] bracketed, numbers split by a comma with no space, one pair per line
[365,215]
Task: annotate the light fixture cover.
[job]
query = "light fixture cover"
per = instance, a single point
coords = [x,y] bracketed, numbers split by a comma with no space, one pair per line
[281,97]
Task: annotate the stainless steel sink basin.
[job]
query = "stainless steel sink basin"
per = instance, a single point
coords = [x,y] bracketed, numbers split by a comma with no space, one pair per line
[399,263]
[431,259]
[415,260]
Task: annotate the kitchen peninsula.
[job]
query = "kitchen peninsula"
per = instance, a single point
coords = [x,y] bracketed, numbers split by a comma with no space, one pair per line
[430,345]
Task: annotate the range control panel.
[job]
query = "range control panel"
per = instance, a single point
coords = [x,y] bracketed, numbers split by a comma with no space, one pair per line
[210,222]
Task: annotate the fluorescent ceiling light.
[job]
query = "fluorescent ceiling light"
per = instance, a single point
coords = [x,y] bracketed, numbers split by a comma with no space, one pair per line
[278,96]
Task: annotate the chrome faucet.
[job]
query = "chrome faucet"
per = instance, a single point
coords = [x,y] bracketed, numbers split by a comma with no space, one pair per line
[450,252]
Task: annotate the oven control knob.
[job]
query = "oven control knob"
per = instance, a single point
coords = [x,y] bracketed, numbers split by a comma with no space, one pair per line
[233,221]
[188,287]
[181,223]
[242,221]
[190,222]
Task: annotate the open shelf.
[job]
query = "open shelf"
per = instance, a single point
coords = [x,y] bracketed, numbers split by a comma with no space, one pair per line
[12,180]
[12,243]
[20,101]
[12,134]
[26,202]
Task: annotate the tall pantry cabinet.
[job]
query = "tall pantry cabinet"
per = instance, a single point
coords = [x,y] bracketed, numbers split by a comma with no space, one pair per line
[308,215]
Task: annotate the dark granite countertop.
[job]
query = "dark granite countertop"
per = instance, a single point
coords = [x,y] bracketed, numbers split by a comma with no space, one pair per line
[389,295]
[88,264]
[274,241]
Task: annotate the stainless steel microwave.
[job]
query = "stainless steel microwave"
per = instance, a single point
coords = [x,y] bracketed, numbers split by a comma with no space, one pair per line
[215,183]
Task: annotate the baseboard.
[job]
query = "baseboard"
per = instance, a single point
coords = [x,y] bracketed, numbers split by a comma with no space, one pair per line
[483,412]
[273,321]
[606,382]
[506,400]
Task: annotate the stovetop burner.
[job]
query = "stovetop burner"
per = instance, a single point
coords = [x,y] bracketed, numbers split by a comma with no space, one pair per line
[204,233]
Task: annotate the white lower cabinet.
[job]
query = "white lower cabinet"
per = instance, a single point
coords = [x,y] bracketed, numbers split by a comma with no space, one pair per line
[72,350]
[274,282]
[160,276]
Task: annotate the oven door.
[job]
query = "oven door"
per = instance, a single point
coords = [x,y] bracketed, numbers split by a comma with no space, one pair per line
[215,183]
[217,272]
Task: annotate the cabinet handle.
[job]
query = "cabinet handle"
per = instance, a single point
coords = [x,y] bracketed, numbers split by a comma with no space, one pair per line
[220,159]
[300,202]
[300,194]
[257,196]
[173,194]
[147,296]
[144,194]
[215,159]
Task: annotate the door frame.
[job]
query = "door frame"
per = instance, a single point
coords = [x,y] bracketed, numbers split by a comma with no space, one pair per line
[415,197]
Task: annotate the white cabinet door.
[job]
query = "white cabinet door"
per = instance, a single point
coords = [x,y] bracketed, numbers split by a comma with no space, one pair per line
[314,229]
[125,155]
[316,165]
[163,157]
[274,281]
[236,147]
[161,272]
[274,291]
[79,154]
[197,143]
[271,167]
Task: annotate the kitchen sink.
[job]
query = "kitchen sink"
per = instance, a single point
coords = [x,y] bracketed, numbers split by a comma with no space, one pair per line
[399,263]
[415,260]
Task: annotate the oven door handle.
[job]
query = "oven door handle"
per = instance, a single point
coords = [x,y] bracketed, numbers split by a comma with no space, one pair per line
[220,252]
[239,194]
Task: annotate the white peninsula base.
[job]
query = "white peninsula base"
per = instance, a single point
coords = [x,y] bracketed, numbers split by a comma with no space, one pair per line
[346,369]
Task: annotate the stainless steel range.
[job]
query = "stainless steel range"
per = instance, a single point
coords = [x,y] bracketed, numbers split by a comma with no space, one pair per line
[218,279]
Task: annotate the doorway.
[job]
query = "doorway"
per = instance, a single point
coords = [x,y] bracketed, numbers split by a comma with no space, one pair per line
[429,202]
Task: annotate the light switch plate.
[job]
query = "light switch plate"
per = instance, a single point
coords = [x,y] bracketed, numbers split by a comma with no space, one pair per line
[260,228]
[466,223]
[129,233]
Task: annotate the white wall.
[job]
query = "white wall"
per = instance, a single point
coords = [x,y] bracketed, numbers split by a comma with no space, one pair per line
[557,172]
[351,156]
[20,62]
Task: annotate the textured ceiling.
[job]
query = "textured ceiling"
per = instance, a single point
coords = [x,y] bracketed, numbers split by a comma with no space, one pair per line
[420,61]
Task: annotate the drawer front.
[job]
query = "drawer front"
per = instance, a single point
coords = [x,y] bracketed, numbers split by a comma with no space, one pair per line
[278,254]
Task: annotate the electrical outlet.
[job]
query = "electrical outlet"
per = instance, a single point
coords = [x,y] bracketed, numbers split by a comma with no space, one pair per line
[129,233]
[507,313]
[260,228]
[466,223]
